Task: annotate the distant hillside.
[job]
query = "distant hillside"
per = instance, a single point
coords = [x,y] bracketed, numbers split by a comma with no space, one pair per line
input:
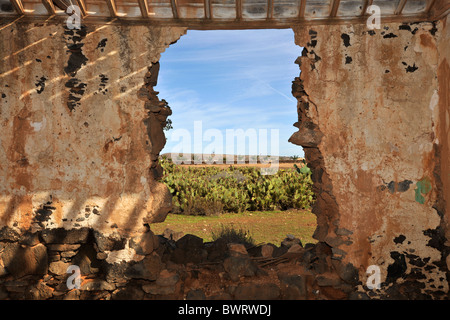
[206,157]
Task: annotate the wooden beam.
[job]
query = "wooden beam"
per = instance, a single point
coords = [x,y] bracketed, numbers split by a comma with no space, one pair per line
[144,8]
[270,9]
[367,4]
[174,6]
[400,7]
[430,4]
[60,4]
[112,8]
[208,9]
[18,6]
[439,9]
[334,7]
[238,10]
[48,4]
[301,9]
[82,6]
[202,24]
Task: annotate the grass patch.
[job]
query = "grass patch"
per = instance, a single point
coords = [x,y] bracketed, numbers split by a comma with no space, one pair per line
[262,226]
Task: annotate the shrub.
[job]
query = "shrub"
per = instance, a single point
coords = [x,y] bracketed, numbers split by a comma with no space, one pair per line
[212,190]
[229,234]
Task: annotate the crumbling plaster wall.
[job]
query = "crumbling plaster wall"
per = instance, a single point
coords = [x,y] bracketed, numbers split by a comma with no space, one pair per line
[81,128]
[75,117]
[373,118]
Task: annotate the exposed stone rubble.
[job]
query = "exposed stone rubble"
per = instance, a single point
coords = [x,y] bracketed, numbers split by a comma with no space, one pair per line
[163,268]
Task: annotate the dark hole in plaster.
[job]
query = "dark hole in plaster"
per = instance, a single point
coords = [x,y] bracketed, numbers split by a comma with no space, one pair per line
[77,90]
[43,214]
[399,239]
[390,35]
[403,185]
[76,58]
[393,186]
[348,60]
[398,268]
[404,27]
[346,38]
[437,238]
[102,44]
[412,68]
[40,84]
[417,261]
[433,30]
[313,43]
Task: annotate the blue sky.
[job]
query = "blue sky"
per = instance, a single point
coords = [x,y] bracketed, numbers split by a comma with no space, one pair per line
[233,79]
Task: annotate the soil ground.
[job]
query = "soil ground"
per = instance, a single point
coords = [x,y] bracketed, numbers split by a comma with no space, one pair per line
[263,226]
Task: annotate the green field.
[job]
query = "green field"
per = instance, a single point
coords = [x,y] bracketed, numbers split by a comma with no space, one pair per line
[214,190]
[263,226]
[207,199]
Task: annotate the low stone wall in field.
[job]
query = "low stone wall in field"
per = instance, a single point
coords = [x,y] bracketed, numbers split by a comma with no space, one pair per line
[84,264]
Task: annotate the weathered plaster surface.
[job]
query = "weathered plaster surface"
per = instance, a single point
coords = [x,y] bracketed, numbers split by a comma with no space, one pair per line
[81,129]
[376,106]
[443,127]
[74,146]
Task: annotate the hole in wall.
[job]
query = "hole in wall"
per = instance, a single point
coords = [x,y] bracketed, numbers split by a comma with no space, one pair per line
[230,94]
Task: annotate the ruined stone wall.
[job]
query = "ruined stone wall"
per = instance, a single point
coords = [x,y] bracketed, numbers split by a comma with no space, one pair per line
[81,129]
[78,135]
[373,118]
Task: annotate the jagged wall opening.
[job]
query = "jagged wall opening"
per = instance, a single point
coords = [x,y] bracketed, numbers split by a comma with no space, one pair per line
[234,80]
[76,179]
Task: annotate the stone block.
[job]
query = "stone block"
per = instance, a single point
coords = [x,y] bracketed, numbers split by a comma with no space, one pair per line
[22,260]
[143,244]
[65,236]
[58,267]
[256,291]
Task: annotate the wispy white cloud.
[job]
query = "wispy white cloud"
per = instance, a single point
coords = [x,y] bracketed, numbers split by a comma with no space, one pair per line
[232,79]
[233,45]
